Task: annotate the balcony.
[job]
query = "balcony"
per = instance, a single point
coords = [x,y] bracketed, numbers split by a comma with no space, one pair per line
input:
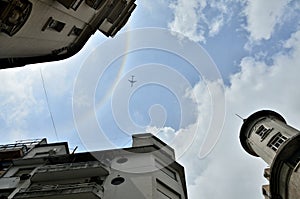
[117,15]
[9,183]
[65,191]
[69,171]
[10,152]
[18,149]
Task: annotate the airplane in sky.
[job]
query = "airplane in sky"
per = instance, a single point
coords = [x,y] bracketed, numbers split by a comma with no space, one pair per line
[131,80]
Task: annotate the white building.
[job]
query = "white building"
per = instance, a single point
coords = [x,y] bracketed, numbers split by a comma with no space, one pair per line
[34,31]
[266,134]
[38,170]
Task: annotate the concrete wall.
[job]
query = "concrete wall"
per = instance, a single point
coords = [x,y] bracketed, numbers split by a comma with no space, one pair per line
[46,151]
[260,146]
[141,176]
[32,41]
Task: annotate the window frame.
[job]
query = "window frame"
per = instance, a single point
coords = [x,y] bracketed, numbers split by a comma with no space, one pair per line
[276,141]
[73,31]
[49,25]
[165,169]
[263,132]
[23,170]
[73,4]
[165,190]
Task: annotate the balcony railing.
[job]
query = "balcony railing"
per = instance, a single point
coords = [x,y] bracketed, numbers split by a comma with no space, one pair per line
[62,191]
[9,153]
[20,144]
[117,15]
[70,166]
[69,171]
[18,149]
[12,147]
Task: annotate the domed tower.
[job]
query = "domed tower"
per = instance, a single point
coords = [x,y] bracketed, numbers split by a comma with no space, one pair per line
[266,134]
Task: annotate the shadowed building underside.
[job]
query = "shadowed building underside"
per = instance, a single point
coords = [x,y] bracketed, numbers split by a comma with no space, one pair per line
[35,31]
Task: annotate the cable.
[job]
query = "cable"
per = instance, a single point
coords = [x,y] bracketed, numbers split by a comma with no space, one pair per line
[48,104]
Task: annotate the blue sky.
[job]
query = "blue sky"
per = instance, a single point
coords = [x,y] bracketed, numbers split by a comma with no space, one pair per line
[253,45]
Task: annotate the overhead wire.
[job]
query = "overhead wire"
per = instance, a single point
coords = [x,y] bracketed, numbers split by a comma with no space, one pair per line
[47,101]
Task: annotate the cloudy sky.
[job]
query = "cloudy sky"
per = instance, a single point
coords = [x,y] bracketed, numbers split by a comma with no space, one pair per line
[248,52]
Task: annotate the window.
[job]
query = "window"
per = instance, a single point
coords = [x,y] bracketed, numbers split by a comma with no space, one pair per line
[4,193]
[13,15]
[24,173]
[54,25]
[74,4]
[75,31]
[263,132]
[117,10]
[41,154]
[99,180]
[95,4]
[165,192]
[162,195]
[117,181]
[276,141]
[165,169]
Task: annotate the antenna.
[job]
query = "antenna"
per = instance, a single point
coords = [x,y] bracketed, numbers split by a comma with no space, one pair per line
[53,124]
[74,150]
[240,117]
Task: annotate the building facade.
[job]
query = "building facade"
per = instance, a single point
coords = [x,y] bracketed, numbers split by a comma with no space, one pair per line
[266,134]
[34,31]
[38,170]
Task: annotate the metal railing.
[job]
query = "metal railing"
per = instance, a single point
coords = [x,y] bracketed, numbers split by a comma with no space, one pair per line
[70,166]
[59,187]
[66,190]
[20,144]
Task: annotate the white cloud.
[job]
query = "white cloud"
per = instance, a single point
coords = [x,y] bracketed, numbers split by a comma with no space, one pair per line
[17,101]
[192,19]
[150,6]
[16,89]
[263,16]
[216,25]
[206,98]
[199,19]
[293,42]
[57,75]
[186,19]
[228,169]
[167,134]
[257,86]
[23,108]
